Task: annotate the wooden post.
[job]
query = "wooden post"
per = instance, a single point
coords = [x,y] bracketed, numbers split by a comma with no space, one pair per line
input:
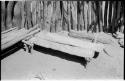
[57,15]
[9,14]
[114,18]
[85,15]
[42,14]
[69,16]
[103,10]
[110,14]
[78,15]
[17,15]
[23,15]
[64,11]
[105,16]
[3,14]
[33,10]
[89,10]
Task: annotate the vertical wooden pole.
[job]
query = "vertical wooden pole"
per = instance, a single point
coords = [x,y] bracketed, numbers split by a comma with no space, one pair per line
[45,13]
[58,17]
[53,21]
[23,14]
[103,8]
[82,16]
[100,16]
[87,2]
[50,18]
[17,15]
[89,8]
[74,14]
[69,16]
[33,6]
[85,14]
[97,16]
[118,14]
[110,14]
[105,15]
[9,14]
[3,14]
[78,15]
[41,15]
[114,17]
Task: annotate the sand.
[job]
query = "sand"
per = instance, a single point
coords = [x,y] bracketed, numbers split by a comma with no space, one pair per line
[22,65]
[40,65]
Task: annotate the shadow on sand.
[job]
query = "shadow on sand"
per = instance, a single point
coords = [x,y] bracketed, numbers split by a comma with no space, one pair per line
[83,61]
[7,52]
[62,55]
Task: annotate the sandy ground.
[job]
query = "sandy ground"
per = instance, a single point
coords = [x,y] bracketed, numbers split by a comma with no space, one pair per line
[22,65]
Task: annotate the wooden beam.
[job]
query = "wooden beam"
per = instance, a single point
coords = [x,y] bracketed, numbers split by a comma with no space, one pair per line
[105,39]
[20,35]
[70,41]
[73,50]
[6,31]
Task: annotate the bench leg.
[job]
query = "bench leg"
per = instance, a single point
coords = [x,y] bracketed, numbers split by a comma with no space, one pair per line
[25,47]
[30,48]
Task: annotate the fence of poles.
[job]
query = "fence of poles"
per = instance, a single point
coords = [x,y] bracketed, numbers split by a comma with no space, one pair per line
[55,16]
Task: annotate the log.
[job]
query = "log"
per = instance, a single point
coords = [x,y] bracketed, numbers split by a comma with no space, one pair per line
[63,47]
[81,35]
[13,35]
[11,29]
[102,37]
[20,35]
[70,41]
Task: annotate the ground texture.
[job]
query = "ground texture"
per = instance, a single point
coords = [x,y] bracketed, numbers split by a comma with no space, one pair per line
[40,65]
